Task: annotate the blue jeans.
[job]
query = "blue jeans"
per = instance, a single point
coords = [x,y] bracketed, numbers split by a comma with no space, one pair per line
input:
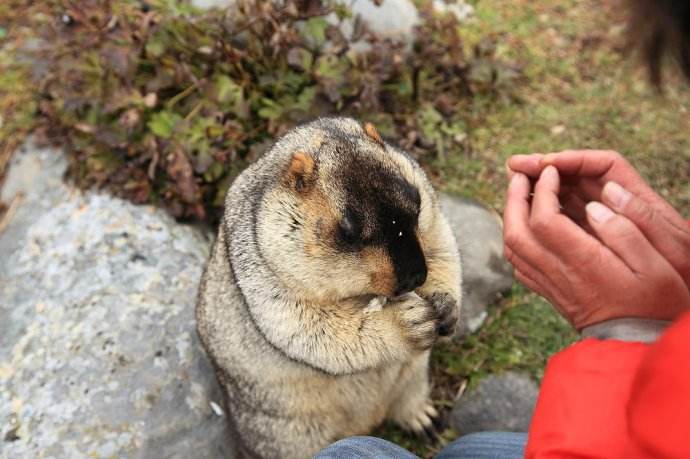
[483,445]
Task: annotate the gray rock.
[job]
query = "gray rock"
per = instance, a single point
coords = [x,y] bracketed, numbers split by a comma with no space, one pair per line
[460,9]
[486,273]
[99,356]
[502,402]
[394,19]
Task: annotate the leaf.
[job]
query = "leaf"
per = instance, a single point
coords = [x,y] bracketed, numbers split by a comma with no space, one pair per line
[306,98]
[227,91]
[300,59]
[331,67]
[214,172]
[315,30]
[270,109]
[155,47]
[181,172]
[163,123]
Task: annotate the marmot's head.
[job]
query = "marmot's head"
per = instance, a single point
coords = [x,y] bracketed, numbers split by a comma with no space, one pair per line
[344,216]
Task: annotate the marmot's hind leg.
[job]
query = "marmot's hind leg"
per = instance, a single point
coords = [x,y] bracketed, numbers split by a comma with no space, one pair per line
[412,409]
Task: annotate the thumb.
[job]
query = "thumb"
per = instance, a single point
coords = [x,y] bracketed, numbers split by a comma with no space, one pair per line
[669,235]
[623,238]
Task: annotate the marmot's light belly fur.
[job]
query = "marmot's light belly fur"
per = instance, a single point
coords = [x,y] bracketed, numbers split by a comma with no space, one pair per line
[330,218]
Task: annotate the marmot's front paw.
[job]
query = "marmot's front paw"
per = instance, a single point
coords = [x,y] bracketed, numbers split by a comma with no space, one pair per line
[418,319]
[446,307]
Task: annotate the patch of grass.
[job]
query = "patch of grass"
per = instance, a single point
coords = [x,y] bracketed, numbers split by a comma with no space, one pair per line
[17,95]
[582,92]
[520,333]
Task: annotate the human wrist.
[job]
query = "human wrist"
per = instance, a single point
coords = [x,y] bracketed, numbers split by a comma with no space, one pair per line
[633,329]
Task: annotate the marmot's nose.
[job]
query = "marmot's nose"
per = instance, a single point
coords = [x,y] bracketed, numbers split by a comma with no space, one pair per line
[411,281]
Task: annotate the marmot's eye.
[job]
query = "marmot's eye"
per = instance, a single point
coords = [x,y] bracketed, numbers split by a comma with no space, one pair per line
[349,229]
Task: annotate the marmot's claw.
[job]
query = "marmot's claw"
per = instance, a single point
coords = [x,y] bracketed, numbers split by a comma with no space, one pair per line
[421,421]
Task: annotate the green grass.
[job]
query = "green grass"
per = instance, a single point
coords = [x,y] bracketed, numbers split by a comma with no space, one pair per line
[17,102]
[580,92]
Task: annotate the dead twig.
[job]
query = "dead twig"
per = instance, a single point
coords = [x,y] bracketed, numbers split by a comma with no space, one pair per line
[11,210]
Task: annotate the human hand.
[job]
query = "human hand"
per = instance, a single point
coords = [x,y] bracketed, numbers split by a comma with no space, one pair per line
[611,273]
[606,176]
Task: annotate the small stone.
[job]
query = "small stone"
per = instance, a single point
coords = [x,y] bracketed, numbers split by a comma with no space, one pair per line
[503,402]
[217,409]
[150,99]
[558,130]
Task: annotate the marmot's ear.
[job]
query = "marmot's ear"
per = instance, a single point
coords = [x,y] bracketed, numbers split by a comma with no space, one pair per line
[371,131]
[301,174]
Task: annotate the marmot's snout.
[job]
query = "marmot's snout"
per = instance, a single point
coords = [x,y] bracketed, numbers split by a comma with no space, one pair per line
[409,264]
[411,281]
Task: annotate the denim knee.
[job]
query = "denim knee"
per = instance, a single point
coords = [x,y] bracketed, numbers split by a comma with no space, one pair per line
[364,448]
[486,445]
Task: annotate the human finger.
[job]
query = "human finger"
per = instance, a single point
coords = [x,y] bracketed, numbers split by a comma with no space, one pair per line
[529,165]
[520,264]
[671,237]
[530,283]
[602,166]
[517,234]
[585,163]
[623,238]
[546,219]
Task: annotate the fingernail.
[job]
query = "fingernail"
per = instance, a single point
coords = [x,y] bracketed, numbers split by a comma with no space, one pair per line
[599,212]
[515,180]
[515,159]
[547,158]
[616,195]
[549,172]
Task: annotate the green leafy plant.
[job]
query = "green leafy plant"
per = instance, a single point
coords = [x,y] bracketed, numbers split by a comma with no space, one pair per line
[163,103]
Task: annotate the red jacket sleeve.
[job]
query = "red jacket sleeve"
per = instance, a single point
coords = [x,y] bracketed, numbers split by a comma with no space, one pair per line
[610,399]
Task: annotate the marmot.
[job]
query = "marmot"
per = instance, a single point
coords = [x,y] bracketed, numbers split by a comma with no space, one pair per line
[329,219]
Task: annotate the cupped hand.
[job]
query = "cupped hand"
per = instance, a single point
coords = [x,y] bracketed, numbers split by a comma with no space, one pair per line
[612,271]
[606,176]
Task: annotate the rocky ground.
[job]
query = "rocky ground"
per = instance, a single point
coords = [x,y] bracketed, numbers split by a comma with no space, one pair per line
[98,351]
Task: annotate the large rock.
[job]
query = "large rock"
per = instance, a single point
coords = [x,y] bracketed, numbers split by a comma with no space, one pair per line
[502,402]
[99,356]
[394,19]
[486,273]
[206,4]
